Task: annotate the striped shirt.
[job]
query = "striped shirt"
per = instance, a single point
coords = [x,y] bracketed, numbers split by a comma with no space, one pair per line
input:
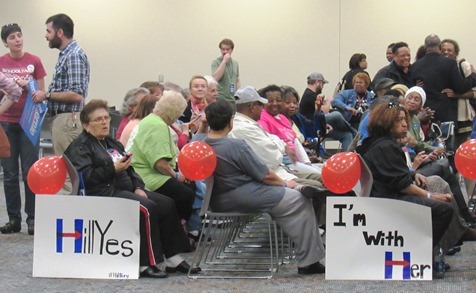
[71,74]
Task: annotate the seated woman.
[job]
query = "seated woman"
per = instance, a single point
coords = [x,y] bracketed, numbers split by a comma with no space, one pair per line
[243,183]
[357,64]
[155,153]
[144,108]
[107,171]
[392,178]
[129,104]
[353,103]
[275,123]
[425,156]
[310,133]
[196,102]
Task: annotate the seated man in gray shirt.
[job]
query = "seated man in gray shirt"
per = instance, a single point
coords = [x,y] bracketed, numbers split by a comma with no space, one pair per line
[243,183]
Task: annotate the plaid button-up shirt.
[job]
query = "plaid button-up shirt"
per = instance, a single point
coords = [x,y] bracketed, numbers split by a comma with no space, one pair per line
[71,74]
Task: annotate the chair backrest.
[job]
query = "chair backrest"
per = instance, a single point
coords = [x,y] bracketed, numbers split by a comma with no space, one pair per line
[116,119]
[208,194]
[73,175]
[366,179]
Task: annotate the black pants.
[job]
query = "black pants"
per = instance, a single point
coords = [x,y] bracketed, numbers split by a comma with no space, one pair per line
[161,232]
[182,194]
[441,213]
[442,170]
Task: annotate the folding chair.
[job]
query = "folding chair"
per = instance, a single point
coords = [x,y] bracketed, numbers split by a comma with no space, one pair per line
[366,179]
[235,245]
[73,175]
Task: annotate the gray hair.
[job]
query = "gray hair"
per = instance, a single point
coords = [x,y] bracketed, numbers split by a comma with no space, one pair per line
[211,80]
[432,41]
[170,106]
[131,99]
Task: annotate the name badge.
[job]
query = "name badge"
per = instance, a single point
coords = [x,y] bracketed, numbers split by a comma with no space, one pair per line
[232,88]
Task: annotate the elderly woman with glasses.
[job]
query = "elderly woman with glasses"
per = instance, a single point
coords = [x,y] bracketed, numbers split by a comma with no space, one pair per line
[106,170]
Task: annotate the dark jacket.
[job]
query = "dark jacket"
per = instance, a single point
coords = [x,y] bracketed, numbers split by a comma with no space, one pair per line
[437,73]
[393,72]
[97,167]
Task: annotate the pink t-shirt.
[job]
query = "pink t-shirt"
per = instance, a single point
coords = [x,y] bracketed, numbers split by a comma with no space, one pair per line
[27,67]
[280,126]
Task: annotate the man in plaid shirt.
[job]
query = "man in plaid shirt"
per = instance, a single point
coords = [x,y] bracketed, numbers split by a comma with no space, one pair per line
[69,86]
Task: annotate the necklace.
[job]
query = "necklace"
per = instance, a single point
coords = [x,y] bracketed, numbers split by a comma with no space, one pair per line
[100,143]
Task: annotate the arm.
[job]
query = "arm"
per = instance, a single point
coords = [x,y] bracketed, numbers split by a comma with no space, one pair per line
[163,167]
[219,70]
[273,179]
[413,189]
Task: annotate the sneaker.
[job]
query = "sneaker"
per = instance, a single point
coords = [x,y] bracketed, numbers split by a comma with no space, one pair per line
[11,227]
[31,227]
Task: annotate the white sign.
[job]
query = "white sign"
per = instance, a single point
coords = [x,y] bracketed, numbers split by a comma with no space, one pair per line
[86,237]
[377,239]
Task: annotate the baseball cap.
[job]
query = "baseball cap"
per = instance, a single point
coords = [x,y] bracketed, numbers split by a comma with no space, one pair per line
[384,83]
[248,94]
[317,76]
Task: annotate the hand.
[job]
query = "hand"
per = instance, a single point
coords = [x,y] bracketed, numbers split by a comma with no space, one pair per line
[181,178]
[120,165]
[292,155]
[421,181]
[420,83]
[441,196]
[426,114]
[22,82]
[226,57]
[290,184]
[184,127]
[439,151]
[38,96]
[329,129]
[449,92]
[140,192]
[411,141]
[353,111]
[419,159]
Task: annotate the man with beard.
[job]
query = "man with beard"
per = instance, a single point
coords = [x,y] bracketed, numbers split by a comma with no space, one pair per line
[69,88]
[341,129]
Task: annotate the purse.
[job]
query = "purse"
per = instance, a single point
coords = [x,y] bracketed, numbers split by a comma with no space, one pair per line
[4,144]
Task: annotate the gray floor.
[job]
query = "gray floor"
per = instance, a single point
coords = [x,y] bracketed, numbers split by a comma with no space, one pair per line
[16,253]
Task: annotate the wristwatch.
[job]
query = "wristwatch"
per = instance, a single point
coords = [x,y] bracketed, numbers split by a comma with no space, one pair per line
[48,96]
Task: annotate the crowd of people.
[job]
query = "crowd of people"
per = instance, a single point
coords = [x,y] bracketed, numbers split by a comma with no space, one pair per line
[267,142]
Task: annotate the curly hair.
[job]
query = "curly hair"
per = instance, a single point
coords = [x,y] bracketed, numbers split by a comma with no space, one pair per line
[170,106]
[90,107]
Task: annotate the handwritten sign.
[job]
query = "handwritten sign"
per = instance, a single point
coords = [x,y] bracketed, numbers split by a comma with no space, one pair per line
[377,239]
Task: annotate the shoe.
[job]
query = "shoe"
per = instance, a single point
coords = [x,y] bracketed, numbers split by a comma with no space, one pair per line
[31,227]
[314,192]
[447,267]
[183,267]
[11,227]
[153,272]
[453,250]
[315,268]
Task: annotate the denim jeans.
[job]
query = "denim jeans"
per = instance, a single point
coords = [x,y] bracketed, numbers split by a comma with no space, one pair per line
[341,129]
[20,147]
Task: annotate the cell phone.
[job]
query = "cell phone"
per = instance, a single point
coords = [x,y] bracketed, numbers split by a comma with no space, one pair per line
[126,156]
[196,119]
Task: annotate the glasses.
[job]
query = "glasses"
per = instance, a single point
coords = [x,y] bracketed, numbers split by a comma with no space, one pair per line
[394,104]
[101,119]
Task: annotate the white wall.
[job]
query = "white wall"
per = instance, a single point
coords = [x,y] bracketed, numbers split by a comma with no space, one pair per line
[276,41]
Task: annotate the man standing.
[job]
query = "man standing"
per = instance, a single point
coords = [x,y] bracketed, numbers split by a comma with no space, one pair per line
[466,113]
[243,183]
[399,69]
[437,74]
[226,71]
[69,86]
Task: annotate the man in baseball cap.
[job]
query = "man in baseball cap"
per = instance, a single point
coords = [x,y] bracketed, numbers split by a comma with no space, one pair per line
[248,94]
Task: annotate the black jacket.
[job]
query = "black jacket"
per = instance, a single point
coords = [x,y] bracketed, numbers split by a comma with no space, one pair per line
[393,72]
[97,168]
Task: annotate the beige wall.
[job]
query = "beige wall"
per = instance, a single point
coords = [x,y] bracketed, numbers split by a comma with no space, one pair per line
[276,41]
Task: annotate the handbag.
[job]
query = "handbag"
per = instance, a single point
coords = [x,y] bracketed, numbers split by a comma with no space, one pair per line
[4,144]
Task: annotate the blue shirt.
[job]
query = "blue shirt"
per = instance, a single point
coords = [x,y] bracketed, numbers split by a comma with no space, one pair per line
[71,75]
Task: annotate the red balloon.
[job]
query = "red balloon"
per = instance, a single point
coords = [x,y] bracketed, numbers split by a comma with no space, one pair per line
[341,172]
[465,159]
[197,160]
[47,175]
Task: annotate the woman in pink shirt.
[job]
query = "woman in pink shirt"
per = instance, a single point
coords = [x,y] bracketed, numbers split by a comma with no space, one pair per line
[275,123]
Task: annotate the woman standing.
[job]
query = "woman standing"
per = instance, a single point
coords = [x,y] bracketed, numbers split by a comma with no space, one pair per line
[23,67]
[357,64]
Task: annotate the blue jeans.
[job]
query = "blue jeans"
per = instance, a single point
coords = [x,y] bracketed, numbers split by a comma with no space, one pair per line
[20,147]
[341,129]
